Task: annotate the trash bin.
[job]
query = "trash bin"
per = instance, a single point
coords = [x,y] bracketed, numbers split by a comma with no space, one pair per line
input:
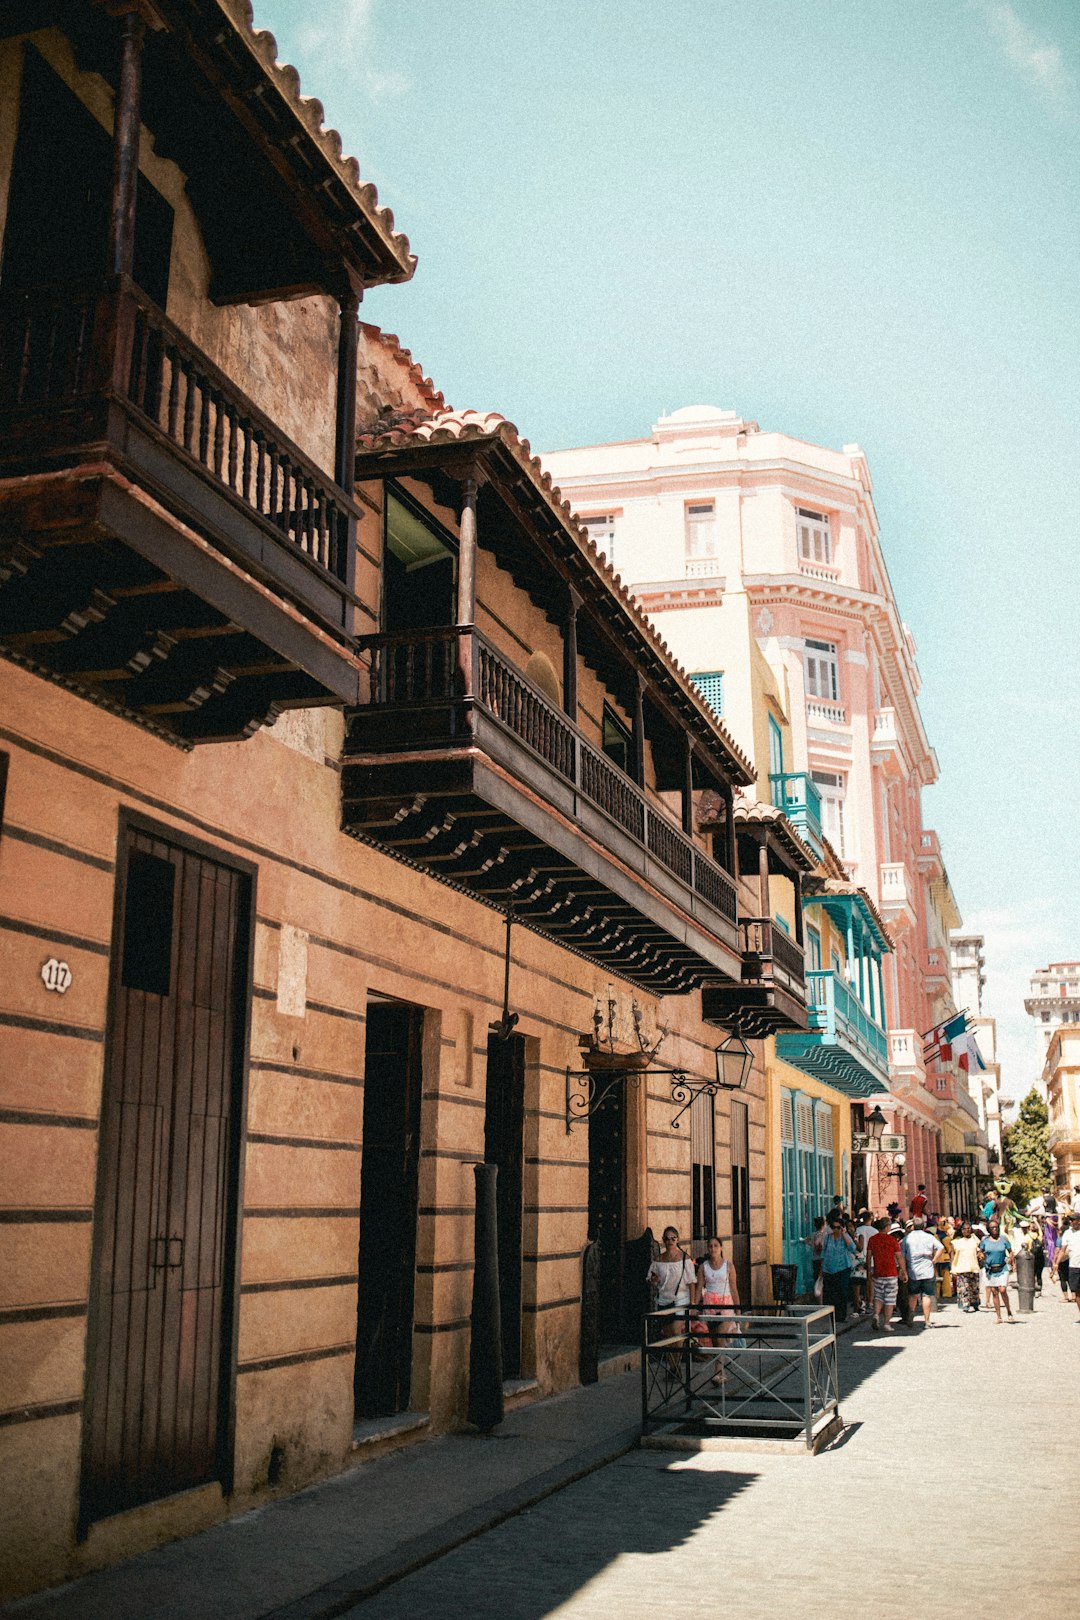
[1025,1280]
[783,1284]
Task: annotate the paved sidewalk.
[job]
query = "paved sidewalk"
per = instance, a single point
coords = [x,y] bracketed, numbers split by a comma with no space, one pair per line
[311,1555]
[952,1491]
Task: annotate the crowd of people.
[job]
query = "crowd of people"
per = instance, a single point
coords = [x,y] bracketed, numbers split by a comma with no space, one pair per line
[877,1265]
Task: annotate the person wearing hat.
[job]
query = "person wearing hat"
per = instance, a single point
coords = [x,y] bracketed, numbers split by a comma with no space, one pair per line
[1070,1256]
[922,1251]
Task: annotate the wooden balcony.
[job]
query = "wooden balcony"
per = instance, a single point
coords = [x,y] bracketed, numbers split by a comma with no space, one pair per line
[772,992]
[457,763]
[164,547]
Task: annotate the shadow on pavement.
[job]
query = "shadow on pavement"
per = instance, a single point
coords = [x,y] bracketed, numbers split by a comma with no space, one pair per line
[528,1566]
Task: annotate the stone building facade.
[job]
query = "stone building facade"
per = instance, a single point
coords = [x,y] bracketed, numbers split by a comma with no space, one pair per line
[357,829]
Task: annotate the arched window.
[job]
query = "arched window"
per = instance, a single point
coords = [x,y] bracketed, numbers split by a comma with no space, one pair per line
[541,672]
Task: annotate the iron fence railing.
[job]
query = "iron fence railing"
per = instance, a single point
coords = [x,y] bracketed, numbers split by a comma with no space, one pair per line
[771,1369]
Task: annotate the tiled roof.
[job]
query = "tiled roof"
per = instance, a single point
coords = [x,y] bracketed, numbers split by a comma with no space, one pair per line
[757,812]
[309,111]
[447,427]
[839,886]
[393,344]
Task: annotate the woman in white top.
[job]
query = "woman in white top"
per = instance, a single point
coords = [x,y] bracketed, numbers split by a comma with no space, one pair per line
[718,1296]
[673,1277]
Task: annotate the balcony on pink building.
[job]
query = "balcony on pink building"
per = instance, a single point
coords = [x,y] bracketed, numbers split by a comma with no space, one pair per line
[885,745]
[898,901]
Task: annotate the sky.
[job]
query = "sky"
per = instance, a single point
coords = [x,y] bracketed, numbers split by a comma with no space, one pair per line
[849,220]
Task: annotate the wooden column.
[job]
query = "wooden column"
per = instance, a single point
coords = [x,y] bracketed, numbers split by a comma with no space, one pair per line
[639,733]
[688,784]
[763,876]
[345,427]
[125,171]
[466,591]
[570,658]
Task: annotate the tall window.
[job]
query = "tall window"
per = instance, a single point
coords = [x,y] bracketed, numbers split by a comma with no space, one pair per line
[815,541]
[822,670]
[710,683]
[618,742]
[776,748]
[700,530]
[830,784]
[601,531]
[702,1159]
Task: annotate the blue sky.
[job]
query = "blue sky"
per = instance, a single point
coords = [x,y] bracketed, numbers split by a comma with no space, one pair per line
[850,220]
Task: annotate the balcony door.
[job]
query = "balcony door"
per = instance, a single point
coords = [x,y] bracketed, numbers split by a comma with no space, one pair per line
[58,203]
[158,1363]
[504,1145]
[382,1377]
[419,568]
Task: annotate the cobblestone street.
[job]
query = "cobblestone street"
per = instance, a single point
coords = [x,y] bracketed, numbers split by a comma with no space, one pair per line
[952,1489]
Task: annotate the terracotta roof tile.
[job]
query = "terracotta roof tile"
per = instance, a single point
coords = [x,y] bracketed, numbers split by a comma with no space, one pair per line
[423,384]
[757,812]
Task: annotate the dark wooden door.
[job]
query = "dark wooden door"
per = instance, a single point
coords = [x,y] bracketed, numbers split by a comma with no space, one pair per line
[388,1210]
[161,1318]
[607,1209]
[504,1145]
[740,1197]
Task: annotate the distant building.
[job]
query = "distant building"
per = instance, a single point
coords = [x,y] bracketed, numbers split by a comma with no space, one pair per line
[1062,1077]
[727,534]
[1054,1000]
[969,982]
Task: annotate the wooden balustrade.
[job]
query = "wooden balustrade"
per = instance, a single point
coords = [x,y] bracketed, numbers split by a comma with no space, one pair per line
[761,937]
[64,344]
[429,668]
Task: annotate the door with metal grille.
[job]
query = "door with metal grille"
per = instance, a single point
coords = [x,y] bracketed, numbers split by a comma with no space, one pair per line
[162,1302]
[504,1145]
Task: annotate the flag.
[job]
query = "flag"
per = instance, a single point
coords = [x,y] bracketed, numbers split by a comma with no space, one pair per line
[938,1042]
[967,1054]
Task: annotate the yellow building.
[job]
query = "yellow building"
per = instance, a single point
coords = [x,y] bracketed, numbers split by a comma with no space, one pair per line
[1062,1079]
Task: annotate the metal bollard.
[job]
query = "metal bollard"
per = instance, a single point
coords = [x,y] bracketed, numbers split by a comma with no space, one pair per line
[1025,1280]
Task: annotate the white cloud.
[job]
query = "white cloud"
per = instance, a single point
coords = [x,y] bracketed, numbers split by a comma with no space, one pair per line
[1040,63]
[341,30]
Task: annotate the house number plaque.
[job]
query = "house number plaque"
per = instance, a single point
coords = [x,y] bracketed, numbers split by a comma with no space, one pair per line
[55,975]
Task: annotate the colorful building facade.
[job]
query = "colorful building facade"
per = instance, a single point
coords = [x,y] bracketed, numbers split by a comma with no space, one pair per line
[711,518]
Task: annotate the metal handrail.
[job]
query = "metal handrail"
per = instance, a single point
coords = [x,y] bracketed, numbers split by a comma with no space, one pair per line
[776,1369]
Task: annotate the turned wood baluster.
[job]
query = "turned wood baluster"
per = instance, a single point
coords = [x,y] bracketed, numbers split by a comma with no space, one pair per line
[173,407]
[245,477]
[204,422]
[219,435]
[189,404]
[260,471]
[234,429]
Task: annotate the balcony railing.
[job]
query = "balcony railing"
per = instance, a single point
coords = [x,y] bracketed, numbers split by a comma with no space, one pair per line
[834,714]
[63,347]
[457,668]
[905,1051]
[837,1011]
[764,942]
[897,892]
[795,793]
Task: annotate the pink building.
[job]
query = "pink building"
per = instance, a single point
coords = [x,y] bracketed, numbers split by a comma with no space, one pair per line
[719,526]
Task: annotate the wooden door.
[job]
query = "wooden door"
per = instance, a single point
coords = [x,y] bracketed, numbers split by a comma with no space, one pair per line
[740,1197]
[504,1145]
[607,1209]
[382,1376]
[161,1315]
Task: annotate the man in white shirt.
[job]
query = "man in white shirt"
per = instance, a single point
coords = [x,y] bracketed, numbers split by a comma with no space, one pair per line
[1070,1256]
[1076,1201]
[921,1251]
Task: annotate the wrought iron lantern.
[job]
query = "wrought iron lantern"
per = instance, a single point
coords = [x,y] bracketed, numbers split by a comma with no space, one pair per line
[734,1061]
[875,1123]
